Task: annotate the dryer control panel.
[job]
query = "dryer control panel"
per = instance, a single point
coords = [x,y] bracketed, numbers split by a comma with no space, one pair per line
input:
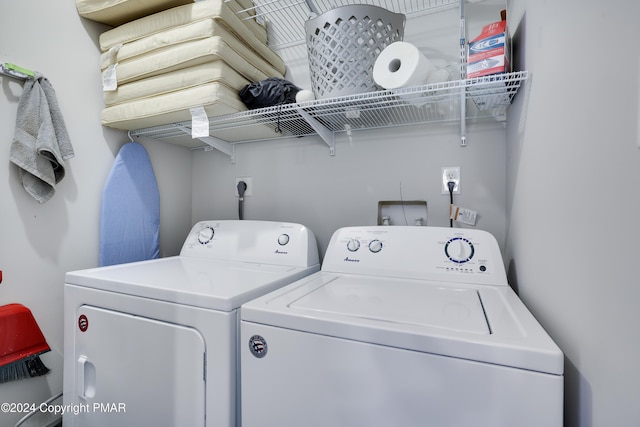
[267,242]
[427,253]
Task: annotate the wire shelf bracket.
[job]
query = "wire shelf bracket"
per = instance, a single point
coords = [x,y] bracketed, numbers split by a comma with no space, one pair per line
[324,133]
[215,143]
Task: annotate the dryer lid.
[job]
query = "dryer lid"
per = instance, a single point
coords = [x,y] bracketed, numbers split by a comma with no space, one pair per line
[200,282]
[444,307]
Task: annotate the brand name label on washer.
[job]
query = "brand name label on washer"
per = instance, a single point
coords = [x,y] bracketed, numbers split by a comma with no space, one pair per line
[258,346]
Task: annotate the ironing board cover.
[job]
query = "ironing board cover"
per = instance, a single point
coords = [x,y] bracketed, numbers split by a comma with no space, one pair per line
[130,213]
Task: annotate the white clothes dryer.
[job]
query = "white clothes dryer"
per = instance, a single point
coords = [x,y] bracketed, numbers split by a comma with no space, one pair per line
[155,343]
[403,326]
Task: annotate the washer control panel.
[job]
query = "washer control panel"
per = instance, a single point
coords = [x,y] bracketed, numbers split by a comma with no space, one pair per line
[459,250]
[252,241]
[431,253]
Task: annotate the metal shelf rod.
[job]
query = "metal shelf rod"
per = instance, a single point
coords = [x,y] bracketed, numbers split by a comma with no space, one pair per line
[463,74]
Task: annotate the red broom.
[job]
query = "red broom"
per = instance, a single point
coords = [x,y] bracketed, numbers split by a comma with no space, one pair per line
[21,344]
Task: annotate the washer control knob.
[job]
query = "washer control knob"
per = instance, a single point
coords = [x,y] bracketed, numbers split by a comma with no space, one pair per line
[353,245]
[459,250]
[375,246]
[283,239]
[205,235]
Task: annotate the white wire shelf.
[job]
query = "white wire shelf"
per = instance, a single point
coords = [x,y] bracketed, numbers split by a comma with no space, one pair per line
[280,14]
[486,97]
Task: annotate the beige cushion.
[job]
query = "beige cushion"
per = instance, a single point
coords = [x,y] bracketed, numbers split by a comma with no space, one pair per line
[173,108]
[216,98]
[162,40]
[209,72]
[190,54]
[117,12]
[194,31]
[216,10]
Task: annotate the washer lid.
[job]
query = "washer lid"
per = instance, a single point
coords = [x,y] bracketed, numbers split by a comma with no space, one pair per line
[475,322]
[199,282]
[412,303]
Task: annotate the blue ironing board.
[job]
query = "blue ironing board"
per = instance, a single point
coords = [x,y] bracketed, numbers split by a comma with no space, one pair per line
[130,213]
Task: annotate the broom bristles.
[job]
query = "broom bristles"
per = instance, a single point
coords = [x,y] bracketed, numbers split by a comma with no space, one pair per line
[26,368]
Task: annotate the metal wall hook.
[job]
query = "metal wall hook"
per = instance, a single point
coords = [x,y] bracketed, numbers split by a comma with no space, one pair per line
[15,71]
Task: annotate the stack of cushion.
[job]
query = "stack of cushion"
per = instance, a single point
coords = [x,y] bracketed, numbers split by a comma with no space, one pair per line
[195,55]
[117,12]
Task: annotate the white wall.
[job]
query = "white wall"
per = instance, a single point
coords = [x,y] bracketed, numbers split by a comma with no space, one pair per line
[41,242]
[573,174]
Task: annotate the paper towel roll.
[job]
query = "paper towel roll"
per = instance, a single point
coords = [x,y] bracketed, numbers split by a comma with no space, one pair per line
[305,95]
[438,76]
[401,64]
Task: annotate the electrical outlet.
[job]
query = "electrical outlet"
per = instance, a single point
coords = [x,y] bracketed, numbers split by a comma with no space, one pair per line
[451,173]
[249,191]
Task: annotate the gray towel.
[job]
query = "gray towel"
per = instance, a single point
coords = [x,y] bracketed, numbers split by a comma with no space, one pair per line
[41,143]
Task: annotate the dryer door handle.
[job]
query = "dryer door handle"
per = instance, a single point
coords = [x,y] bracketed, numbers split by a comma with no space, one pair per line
[86,371]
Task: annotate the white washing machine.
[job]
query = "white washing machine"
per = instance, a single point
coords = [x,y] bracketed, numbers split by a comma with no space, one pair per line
[155,343]
[403,326]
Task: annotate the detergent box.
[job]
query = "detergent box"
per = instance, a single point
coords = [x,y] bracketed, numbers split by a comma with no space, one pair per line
[489,52]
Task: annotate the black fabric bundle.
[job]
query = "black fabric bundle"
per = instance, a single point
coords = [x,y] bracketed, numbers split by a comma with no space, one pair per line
[268,93]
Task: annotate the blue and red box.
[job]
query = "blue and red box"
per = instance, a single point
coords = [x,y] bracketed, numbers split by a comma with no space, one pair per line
[489,52]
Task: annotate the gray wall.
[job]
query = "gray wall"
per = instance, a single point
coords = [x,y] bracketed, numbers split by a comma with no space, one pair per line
[296,179]
[571,253]
[41,242]
[573,173]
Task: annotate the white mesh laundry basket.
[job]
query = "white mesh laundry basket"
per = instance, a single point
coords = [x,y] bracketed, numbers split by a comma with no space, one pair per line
[343,44]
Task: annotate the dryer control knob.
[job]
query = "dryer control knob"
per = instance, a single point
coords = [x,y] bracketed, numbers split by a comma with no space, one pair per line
[283,239]
[375,246]
[205,235]
[353,245]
